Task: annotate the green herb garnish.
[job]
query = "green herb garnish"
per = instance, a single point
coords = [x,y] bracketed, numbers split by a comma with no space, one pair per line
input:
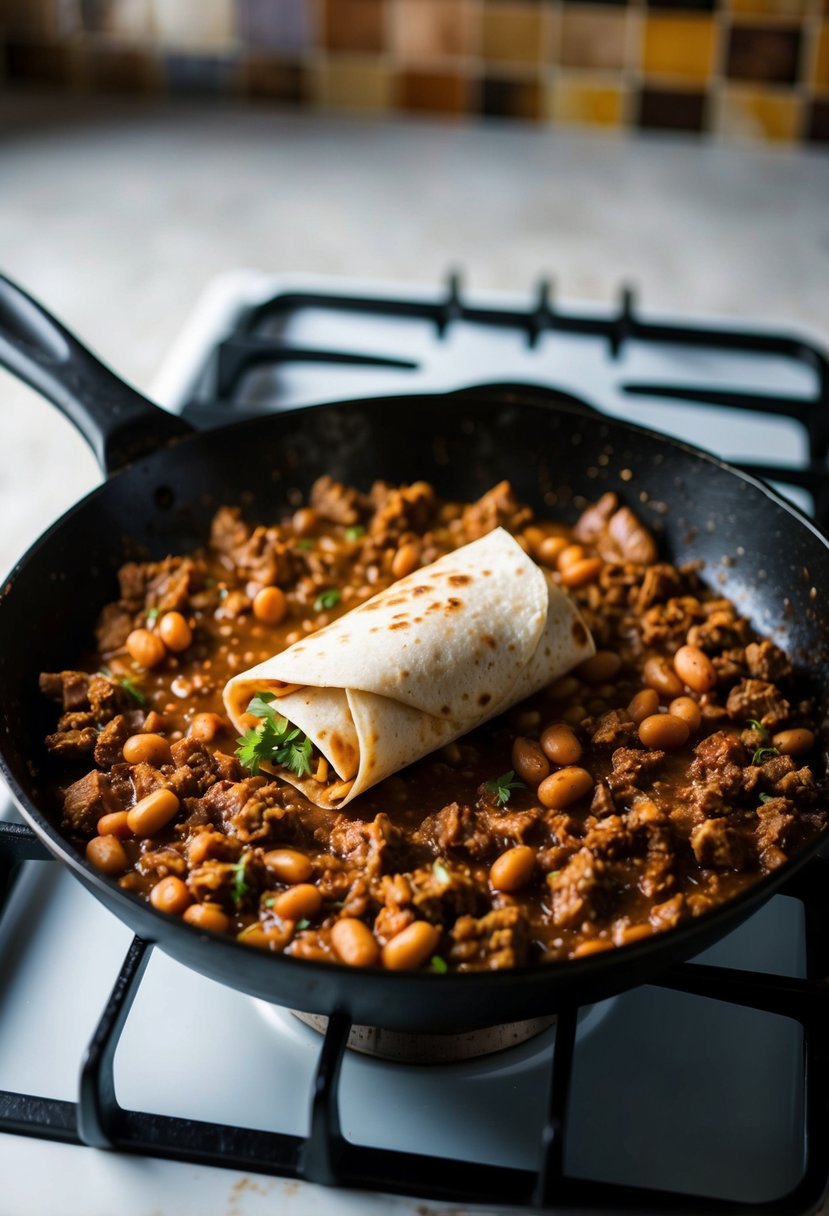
[240,883]
[152,614]
[327,599]
[441,873]
[762,752]
[765,797]
[306,543]
[274,740]
[304,923]
[269,901]
[126,683]
[355,533]
[503,786]
[438,964]
[759,727]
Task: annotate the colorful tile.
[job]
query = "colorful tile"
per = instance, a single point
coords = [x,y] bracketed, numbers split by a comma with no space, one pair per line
[354,25]
[43,64]
[512,33]
[767,53]
[687,6]
[586,102]
[794,9]
[592,37]
[750,113]
[270,78]
[817,122]
[502,98]
[671,110]
[275,25]
[356,85]
[425,31]
[195,25]
[680,47]
[433,92]
[820,71]
[37,20]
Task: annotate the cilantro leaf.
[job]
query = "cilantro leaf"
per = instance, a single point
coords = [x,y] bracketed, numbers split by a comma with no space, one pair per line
[240,883]
[327,599]
[441,873]
[135,692]
[759,727]
[438,964]
[152,614]
[304,923]
[274,740]
[765,797]
[761,753]
[304,543]
[503,786]
[355,533]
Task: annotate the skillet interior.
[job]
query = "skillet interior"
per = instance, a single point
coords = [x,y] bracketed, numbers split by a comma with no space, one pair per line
[760,552]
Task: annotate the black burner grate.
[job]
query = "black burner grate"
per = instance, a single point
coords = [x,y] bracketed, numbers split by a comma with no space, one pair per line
[325,1156]
[248,347]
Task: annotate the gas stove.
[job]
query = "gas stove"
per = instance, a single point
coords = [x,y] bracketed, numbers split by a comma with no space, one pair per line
[704,1092]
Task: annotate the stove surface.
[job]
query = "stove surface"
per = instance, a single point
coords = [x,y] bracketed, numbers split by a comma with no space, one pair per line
[669,1090]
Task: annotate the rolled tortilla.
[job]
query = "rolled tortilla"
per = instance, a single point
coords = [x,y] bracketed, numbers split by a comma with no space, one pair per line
[425,661]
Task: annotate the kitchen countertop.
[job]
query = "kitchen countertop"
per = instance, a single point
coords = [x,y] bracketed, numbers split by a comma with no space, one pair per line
[118,213]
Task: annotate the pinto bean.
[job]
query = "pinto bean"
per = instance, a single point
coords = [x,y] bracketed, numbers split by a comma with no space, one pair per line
[513,869]
[147,749]
[153,813]
[687,709]
[795,742]
[529,761]
[695,669]
[663,732]
[660,676]
[604,665]
[175,633]
[207,916]
[289,865]
[644,704]
[106,853]
[410,948]
[146,648]
[301,901]
[560,745]
[562,788]
[170,895]
[354,943]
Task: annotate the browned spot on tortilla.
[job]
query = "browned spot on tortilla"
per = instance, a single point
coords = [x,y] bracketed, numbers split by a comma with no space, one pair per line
[511,646]
[435,607]
[445,710]
[418,620]
[520,569]
[579,633]
[321,734]
[459,580]
[375,738]
[398,599]
[374,629]
[372,605]
[298,648]
[400,616]
[489,641]
[403,674]
[452,604]
[465,696]
[421,590]
[484,698]
[399,625]
[547,652]
[486,573]
[344,638]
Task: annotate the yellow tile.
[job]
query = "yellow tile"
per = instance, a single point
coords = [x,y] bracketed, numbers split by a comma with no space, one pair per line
[352,85]
[820,76]
[512,33]
[195,25]
[679,47]
[758,114]
[586,102]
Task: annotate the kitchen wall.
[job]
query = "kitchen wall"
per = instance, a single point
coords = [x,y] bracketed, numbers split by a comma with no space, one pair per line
[737,69]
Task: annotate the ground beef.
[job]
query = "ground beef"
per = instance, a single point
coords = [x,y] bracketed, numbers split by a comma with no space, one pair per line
[759,700]
[633,770]
[109,745]
[776,820]
[613,729]
[498,508]
[661,582]
[339,503]
[499,939]
[666,625]
[718,763]
[765,661]
[369,846]
[581,891]
[717,844]
[86,801]
[457,827]
[721,630]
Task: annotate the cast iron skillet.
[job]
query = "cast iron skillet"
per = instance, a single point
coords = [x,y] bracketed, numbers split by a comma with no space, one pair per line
[165,481]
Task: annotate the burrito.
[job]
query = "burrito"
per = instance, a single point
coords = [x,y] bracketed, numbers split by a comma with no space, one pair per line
[435,655]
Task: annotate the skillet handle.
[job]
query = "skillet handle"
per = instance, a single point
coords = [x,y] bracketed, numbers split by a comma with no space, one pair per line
[115,420]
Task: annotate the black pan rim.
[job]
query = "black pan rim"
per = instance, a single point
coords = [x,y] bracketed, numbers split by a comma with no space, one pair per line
[732,911]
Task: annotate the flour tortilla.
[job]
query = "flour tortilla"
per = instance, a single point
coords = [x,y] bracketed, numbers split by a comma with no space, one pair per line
[425,661]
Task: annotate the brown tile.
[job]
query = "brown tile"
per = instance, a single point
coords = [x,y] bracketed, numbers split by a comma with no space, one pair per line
[769,8]
[685,6]
[820,74]
[37,63]
[817,123]
[269,78]
[671,110]
[111,70]
[360,85]
[681,47]
[500,98]
[763,52]
[427,30]
[354,25]
[130,20]
[512,33]
[592,37]
[752,113]
[586,102]
[36,20]
[433,92]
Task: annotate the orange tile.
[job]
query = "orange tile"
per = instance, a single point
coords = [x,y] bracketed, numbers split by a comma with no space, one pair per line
[592,37]
[433,92]
[343,84]
[586,102]
[820,75]
[354,25]
[769,8]
[681,47]
[427,30]
[758,114]
[512,33]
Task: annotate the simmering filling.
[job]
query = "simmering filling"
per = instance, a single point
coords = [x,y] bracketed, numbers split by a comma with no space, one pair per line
[666,773]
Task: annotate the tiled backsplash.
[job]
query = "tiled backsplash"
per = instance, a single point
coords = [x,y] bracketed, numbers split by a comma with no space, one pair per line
[742,69]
